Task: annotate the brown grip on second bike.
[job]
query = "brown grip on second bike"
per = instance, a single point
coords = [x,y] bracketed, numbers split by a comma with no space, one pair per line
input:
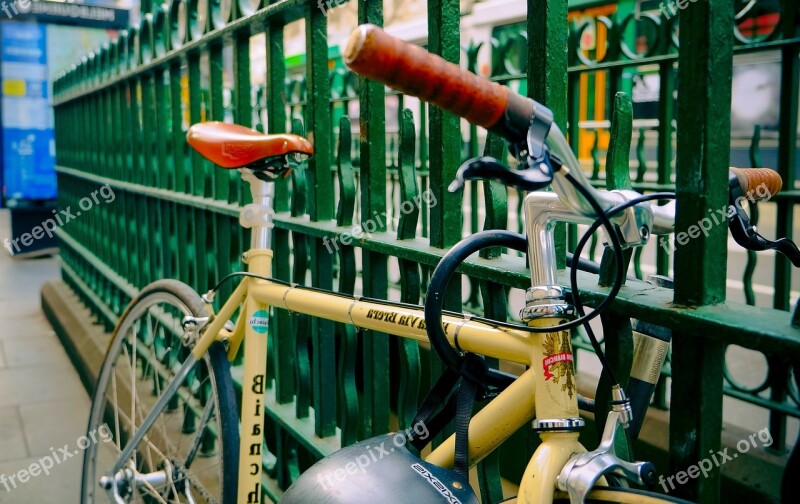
[410,69]
[758,183]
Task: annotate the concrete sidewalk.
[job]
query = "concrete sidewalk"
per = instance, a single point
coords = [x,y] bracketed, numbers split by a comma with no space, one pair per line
[43,405]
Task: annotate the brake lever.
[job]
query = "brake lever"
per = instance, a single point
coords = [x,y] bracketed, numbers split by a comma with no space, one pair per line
[537,175]
[746,235]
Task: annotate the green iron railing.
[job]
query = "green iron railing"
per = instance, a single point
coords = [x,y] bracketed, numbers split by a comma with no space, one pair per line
[121,118]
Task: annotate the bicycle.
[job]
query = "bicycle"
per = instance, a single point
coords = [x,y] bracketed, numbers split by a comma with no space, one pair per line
[188,405]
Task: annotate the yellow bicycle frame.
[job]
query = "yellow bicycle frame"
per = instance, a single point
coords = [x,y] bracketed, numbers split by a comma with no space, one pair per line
[550,377]
[504,415]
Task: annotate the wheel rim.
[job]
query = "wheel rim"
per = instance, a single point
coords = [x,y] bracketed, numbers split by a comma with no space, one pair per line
[183,446]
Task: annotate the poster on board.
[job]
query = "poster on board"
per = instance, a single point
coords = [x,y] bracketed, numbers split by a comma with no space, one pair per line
[27,118]
[31,55]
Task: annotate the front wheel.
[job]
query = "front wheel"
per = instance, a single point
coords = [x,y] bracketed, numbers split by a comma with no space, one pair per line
[190,453]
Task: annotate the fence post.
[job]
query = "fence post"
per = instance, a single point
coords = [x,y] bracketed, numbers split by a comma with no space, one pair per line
[548,35]
[319,127]
[787,147]
[446,219]
[704,85]
[373,198]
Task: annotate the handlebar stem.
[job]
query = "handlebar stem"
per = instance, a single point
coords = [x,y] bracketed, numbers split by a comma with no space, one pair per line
[543,210]
[661,222]
[575,200]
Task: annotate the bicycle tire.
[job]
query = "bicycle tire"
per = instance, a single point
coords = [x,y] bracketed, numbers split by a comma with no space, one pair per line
[212,450]
[622,496]
[616,495]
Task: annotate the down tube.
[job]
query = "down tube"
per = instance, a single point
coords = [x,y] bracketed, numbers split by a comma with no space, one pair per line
[493,424]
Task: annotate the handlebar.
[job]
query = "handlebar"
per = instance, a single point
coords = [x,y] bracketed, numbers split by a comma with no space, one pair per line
[410,69]
[758,183]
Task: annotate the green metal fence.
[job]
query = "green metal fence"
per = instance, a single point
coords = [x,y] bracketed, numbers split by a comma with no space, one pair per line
[121,118]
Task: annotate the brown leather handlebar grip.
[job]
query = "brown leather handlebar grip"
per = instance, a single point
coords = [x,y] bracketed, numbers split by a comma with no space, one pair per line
[758,183]
[410,69]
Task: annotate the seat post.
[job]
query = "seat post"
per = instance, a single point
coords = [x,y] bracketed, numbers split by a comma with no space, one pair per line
[258,215]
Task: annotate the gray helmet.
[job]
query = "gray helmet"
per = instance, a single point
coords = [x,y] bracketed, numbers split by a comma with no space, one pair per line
[377,470]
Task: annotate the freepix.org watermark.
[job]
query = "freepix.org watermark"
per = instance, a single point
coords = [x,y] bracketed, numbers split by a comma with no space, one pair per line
[373,454]
[59,219]
[377,221]
[43,466]
[715,460]
[330,4]
[717,217]
[13,8]
[672,4]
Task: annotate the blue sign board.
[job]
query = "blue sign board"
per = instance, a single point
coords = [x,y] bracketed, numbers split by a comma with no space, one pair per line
[93,13]
[27,118]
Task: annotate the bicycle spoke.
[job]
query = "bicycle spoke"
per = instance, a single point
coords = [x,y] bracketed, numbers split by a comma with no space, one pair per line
[153,492]
[199,438]
[133,389]
[116,412]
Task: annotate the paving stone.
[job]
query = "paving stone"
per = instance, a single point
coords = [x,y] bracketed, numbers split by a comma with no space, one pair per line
[18,308]
[24,327]
[43,435]
[34,350]
[61,484]
[46,382]
[12,436]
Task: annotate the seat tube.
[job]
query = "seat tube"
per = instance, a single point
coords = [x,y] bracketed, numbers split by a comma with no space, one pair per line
[253,388]
[258,217]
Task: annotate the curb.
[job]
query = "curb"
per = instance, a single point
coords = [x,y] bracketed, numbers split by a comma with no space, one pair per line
[84,342]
